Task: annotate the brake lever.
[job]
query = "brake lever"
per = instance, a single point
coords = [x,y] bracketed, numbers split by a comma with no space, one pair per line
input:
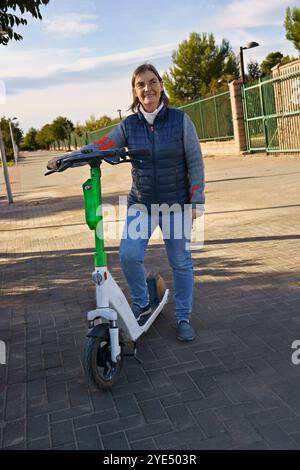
[113,163]
[50,172]
[59,169]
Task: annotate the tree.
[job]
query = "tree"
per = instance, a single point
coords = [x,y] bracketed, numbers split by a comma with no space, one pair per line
[17,134]
[292,26]
[253,69]
[94,124]
[104,121]
[61,129]
[9,20]
[273,59]
[198,64]
[270,61]
[79,129]
[29,141]
[44,137]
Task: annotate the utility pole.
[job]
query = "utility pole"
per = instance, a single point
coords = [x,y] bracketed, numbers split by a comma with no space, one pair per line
[5,171]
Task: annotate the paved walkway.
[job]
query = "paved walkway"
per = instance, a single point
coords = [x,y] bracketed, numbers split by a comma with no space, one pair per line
[234,387]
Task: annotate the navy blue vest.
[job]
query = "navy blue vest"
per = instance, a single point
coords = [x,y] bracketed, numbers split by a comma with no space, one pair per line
[161,177]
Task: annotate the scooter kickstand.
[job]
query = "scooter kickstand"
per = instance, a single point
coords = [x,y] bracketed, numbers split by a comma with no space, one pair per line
[134,354]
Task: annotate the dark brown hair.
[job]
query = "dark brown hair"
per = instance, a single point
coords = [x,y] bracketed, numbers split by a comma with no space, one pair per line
[142,69]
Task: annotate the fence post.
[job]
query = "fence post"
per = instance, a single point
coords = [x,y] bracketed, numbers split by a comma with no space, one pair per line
[216,115]
[238,115]
[262,104]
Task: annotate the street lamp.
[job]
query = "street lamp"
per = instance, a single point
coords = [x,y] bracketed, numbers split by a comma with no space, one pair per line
[5,171]
[119,111]
[250,45]
[14,145]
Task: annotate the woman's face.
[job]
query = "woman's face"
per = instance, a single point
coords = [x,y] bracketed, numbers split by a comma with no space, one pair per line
[147,89]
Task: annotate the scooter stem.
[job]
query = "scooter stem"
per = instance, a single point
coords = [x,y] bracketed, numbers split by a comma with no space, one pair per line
[93,213]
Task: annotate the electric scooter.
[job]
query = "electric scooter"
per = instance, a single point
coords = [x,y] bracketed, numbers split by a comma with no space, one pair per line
[112,323]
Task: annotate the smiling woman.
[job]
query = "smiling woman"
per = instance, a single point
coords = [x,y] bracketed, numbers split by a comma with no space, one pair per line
[167,187]
[147,88]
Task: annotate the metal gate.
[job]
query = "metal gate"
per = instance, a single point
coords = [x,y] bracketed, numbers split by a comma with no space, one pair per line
[272,114]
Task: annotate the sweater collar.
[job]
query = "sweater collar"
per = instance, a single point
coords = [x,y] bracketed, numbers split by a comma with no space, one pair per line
[151,116]
[158,114]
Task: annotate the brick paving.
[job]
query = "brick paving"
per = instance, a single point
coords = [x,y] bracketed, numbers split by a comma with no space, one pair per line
[234,387]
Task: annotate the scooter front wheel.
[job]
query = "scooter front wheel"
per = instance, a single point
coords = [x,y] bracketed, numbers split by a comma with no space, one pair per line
[99,368]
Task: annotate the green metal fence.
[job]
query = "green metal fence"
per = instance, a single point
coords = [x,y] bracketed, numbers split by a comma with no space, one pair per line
[272,114]
[77,141]
[212,117]
[96,135]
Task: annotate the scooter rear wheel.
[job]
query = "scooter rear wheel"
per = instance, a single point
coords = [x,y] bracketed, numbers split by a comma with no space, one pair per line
[99,368]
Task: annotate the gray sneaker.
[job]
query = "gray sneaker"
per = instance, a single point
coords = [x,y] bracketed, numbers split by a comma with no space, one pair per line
[140,312]
[185,331]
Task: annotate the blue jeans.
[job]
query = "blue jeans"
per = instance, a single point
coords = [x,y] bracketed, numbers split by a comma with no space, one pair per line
[138,229]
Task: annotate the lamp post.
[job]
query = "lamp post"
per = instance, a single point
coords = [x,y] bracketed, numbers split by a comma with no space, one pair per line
[15,150]
[3,33]
[120,116]
[250,45]
[5,171]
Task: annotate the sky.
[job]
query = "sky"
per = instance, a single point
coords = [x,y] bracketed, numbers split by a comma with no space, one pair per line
[79,59]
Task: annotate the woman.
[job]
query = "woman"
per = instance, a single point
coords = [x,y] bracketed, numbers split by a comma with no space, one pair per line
[172,177]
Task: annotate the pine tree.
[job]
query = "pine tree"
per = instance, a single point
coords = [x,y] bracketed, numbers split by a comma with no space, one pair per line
[198,64]
[253,69]
[273,59]
[292,26]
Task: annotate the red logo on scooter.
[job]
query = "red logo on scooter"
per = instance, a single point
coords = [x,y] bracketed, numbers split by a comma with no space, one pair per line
[105,143]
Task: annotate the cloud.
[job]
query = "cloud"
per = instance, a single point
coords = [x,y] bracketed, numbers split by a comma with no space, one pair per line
[119,58]
[70,25]
[251,14]
[35,107]
[17,61]
[40,102]
[85,70]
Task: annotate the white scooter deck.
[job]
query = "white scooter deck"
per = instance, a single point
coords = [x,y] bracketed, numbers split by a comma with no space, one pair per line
[112,305]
